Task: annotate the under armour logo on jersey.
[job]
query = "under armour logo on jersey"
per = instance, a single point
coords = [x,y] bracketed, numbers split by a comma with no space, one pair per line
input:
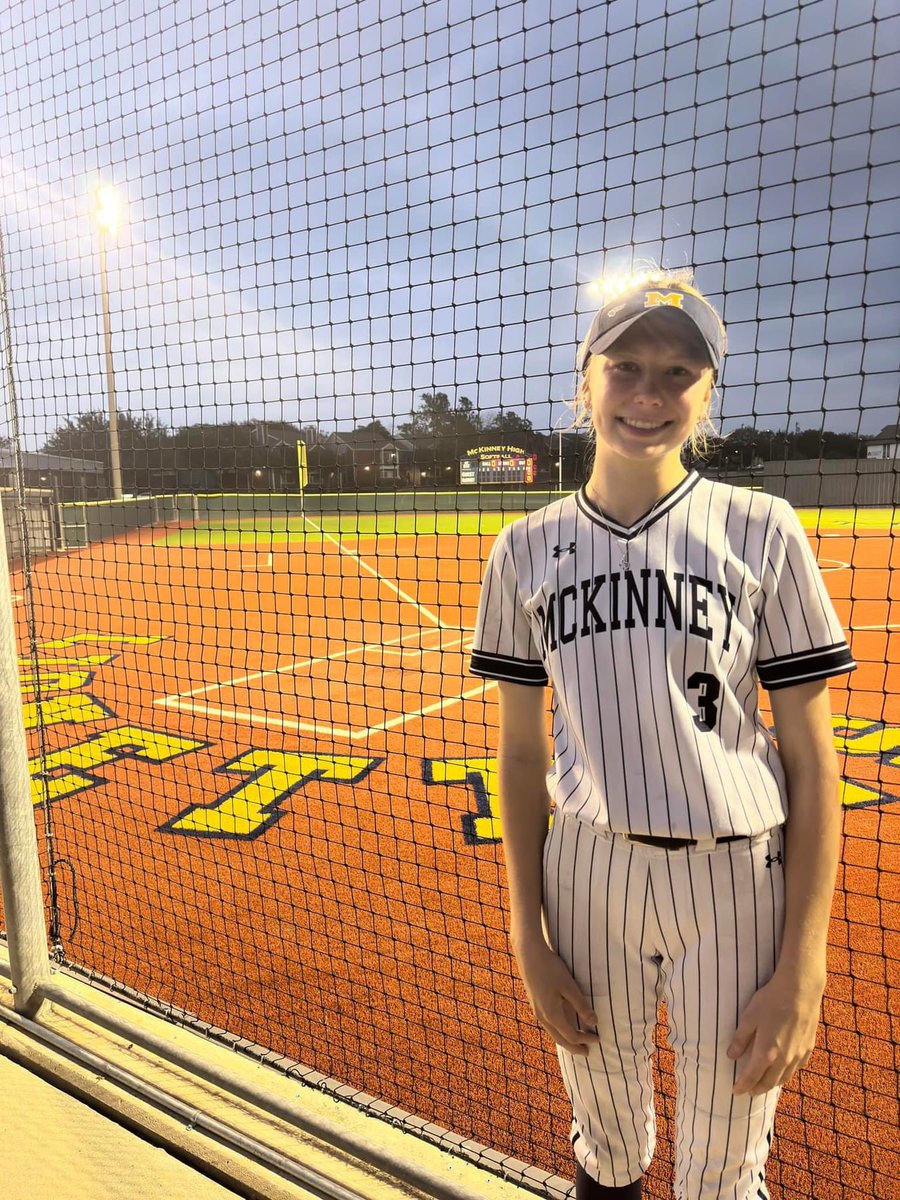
[772,859]
[673,299]
[559,551]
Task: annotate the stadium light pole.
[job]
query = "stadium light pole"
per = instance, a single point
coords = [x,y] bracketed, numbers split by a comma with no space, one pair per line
[107,218]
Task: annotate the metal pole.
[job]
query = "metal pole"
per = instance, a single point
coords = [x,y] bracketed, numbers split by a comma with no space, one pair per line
[20,873]
[115,461]
[191,1117]
[330,1129]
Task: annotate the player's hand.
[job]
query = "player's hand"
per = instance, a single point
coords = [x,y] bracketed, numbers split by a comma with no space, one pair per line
[558,1002]
[776,1034]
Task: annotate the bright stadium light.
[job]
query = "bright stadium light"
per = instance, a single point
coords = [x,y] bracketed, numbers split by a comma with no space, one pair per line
[609,286]
[108,218]
[108,211]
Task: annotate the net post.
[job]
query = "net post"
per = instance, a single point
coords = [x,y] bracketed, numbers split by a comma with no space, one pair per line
[20,873]
[20,876]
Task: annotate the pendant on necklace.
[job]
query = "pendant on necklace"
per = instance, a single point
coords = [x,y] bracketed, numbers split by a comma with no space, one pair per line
[624,564]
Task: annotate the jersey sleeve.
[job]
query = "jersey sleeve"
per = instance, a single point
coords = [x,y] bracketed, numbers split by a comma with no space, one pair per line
[799,636]
[503,646]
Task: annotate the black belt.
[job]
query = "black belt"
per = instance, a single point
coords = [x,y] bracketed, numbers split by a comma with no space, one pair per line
[670,843]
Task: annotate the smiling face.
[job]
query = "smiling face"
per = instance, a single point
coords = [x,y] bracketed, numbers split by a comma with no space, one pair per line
[649,390]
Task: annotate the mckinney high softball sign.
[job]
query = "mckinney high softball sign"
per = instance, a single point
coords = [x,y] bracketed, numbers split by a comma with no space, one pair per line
[498,464]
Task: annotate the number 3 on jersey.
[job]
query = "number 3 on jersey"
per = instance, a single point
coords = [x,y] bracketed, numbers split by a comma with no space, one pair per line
[709,689]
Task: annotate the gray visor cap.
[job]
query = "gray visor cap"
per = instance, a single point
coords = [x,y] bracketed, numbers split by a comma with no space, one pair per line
[611,321]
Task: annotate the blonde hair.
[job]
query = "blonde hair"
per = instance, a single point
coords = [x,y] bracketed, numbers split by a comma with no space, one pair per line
[652,275]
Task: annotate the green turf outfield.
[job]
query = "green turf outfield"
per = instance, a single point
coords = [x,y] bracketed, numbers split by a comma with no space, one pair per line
[262,530]
[265,530]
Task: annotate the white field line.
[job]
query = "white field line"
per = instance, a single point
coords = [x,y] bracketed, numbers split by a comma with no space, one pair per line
[247,718]
[837,564]
[183,703]
[288,668]
[327,731]
[381,579]
[445,702]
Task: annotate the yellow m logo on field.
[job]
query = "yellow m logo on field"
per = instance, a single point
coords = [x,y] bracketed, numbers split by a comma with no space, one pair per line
[654,299]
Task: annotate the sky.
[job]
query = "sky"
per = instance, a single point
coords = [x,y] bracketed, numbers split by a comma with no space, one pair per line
[334,206]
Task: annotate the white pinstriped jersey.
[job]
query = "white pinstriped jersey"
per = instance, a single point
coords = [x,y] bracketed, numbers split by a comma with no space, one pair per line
[654,669]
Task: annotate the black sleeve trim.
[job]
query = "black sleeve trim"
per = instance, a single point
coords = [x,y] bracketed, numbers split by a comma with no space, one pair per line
[805,666]
[511,670]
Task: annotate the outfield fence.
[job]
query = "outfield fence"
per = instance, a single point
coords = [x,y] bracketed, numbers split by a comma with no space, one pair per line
[814,483]
[91,521]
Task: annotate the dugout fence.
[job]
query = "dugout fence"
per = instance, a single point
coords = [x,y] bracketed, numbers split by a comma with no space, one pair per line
[264,783]
[30,517]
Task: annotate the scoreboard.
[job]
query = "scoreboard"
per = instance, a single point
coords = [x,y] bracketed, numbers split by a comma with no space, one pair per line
[497,464]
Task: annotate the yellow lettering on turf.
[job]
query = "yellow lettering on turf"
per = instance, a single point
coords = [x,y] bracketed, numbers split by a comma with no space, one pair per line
[65,772]
[480,776]
[866,737]
[859,736]
[849,728]
[130,741]
[78,660]
[854,792]
[103,639]
[55,681]
[78,710]
[253,806]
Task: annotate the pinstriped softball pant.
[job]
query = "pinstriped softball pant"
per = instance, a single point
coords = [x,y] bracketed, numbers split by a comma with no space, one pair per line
[700,929]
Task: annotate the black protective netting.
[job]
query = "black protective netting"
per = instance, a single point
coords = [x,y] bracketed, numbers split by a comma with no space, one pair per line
[266,413]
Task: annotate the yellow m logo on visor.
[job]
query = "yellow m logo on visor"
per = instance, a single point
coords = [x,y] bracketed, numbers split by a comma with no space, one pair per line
[653,299]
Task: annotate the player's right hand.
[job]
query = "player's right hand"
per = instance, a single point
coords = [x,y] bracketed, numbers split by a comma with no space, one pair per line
[558,1002]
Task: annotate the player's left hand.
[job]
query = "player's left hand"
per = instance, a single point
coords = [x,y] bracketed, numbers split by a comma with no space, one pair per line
[776,1034]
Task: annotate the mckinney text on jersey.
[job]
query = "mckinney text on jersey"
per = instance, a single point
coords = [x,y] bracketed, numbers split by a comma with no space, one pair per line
[625,600]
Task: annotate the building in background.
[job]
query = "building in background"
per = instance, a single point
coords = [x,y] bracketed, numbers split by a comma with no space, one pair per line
[364,458]
[885,444]
[65,478]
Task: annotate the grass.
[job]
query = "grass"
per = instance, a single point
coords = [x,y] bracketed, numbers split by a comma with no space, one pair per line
[281,529]
[267,530]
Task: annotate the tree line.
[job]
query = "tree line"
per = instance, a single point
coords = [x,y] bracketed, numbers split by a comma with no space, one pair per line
[232,456]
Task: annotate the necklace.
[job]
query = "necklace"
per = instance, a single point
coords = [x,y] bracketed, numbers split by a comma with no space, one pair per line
[624,560]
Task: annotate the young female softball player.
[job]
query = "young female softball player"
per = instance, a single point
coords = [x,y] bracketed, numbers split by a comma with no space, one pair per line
[689,859]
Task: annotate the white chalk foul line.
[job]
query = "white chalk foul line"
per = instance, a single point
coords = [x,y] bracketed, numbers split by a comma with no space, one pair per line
[404,718]
[245,718]
[274,721]
[381,579]
[461,640]
[288,668]
[834,564]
